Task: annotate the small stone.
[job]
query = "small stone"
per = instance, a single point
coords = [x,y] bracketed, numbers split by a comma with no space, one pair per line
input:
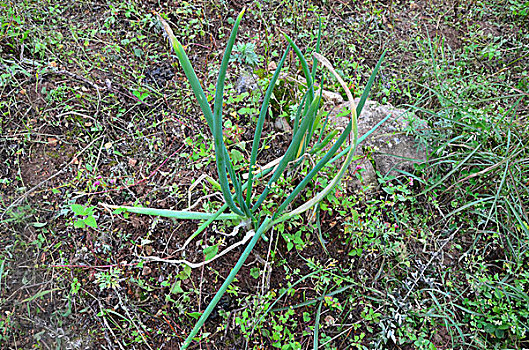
[146,271]
[281,125]
[329,320]
[247,83]
[52,141]
[331,97]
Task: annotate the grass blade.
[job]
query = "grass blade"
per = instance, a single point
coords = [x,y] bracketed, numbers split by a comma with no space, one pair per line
[468,205]
[283,293]
[2,264]
[459,165]
[39,295]
[318,228]
[312,301]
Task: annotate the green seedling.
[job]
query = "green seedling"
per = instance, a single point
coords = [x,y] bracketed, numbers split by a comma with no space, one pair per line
[85,216]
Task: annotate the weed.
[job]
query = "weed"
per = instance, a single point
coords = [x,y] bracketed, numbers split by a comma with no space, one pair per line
[108,279]
[244,53]
[86,215]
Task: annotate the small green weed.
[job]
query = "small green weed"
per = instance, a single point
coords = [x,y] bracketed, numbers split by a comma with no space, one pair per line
[85,216]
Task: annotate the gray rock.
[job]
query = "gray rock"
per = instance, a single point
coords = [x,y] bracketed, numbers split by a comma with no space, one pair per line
[247,83]
[330,97]
[390,147]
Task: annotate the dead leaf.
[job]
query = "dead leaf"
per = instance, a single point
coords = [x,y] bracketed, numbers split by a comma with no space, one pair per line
[52,141]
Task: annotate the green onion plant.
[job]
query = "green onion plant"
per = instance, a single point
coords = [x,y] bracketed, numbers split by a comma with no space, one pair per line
[247,206]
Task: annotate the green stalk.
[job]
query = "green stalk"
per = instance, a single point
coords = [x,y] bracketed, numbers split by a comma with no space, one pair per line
[320,196]
[190,73]
[177,214]
[263,228]
[314,170]
[304,67]
[320,145]
[314,60]
[298,113]
[313,76]
[289,155]
[307,110]
[354,125]
[311,129]
[222,157]
[317,326]
[361,139]
[236,184]
[310,85]
[260,123]
[214,216]
[204,225]
[214,119]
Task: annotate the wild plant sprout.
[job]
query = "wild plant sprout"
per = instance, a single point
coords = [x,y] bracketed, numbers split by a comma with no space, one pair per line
[240,197]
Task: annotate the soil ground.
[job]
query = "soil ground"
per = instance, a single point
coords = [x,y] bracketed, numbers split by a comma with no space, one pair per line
[97,110]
